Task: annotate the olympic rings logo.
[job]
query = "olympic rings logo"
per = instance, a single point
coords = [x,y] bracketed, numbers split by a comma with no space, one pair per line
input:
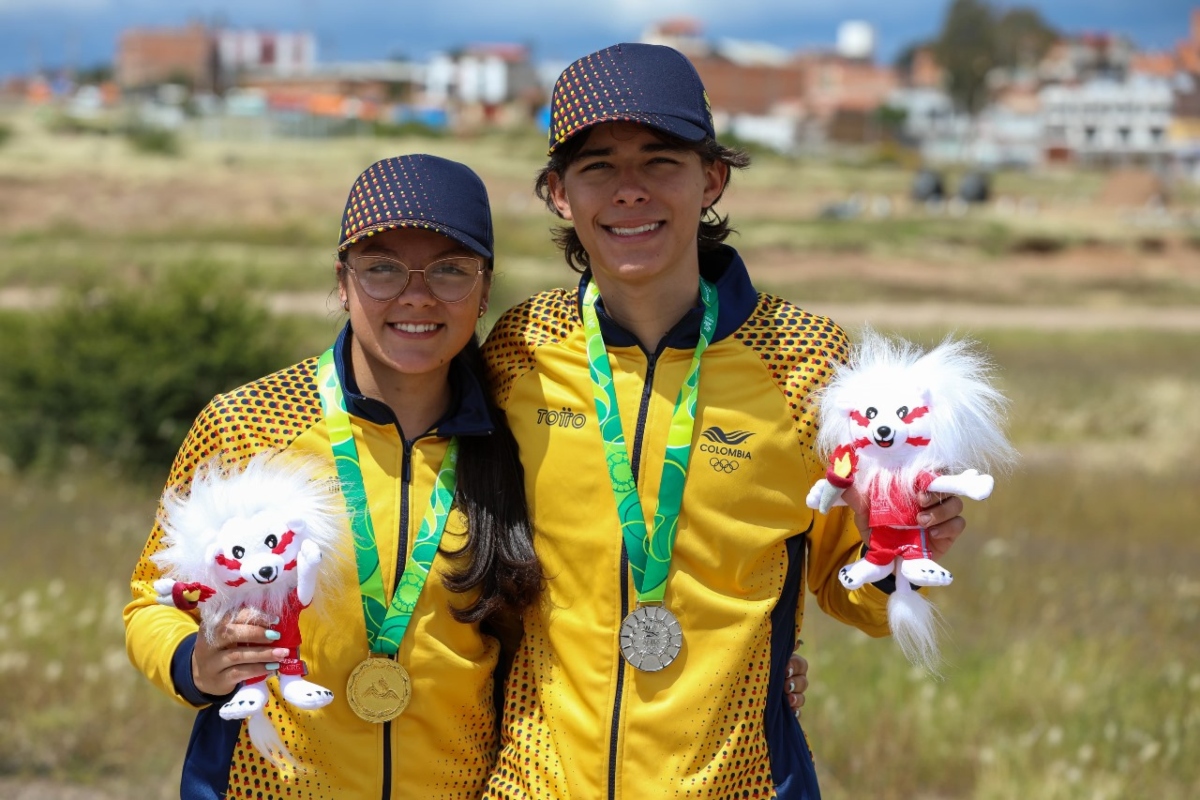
[726,465]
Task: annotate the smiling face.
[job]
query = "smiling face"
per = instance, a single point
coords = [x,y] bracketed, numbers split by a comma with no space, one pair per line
[415,334]
[892,425]
[252,555]
[636,203]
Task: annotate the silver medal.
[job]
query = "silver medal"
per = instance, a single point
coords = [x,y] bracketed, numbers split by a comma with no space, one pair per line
[651,638]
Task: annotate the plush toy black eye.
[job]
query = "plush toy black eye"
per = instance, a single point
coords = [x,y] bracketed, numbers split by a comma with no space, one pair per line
[271,541]
[902,412]
[239,551]
[872,412]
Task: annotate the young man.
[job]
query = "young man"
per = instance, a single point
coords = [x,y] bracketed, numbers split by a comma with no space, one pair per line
[662,411]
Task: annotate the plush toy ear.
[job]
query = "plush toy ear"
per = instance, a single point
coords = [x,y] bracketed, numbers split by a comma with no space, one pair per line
[927,398]
[297,526]
[211,553]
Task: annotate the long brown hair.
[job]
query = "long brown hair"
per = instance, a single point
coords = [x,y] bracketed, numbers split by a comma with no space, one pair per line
[498,559]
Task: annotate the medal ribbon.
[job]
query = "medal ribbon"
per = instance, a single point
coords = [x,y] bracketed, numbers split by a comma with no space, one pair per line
[649,557]
[386,623]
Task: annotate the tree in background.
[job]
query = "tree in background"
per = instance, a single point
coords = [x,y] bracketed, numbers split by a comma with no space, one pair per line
[1023,38]
[966,49]
[976,38]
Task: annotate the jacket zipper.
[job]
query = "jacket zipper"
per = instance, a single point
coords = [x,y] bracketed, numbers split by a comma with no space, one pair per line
[635,459]
[405,481]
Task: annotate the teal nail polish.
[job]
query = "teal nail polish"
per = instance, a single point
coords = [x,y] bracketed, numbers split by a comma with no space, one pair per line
[272,635]
[274,665]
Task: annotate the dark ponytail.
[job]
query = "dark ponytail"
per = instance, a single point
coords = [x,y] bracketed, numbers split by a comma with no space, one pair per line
[499,558]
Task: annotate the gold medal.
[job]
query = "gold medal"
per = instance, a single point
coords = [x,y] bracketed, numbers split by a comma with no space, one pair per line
[379,689]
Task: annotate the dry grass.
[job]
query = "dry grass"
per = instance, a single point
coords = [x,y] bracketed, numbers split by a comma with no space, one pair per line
[1071,625]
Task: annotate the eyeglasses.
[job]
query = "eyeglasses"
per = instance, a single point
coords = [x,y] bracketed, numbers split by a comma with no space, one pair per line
[449,279]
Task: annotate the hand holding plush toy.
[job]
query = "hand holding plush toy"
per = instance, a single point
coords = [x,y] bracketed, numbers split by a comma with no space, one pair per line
[253,539]
[896,422]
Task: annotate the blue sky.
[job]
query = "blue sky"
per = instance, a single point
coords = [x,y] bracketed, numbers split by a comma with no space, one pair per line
[84,32]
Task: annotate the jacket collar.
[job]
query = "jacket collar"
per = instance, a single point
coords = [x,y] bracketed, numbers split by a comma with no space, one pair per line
[468,414]
[738,299]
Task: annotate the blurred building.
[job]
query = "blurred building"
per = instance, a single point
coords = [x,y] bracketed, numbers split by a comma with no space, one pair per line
[147,57]
[1106,121]
[209,60]
[1185,58]
[1090,56]
[252,52]
[766,94]
[352,90]
[484,83]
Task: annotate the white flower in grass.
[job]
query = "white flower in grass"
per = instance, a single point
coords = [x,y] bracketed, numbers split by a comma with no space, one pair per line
[1086,754]
[116,661]
[1054,736]
[13,661]
[32,623]
[1194,682]
[121,697]
[53,671]
[1149,751]
[28,600]
[995,548]
[56,588]
[85,618]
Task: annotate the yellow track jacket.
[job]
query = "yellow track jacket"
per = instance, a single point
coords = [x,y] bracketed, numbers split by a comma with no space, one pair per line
[444,744]
[578,721]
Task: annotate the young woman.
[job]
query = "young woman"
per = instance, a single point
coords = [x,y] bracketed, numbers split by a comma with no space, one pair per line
[414,271]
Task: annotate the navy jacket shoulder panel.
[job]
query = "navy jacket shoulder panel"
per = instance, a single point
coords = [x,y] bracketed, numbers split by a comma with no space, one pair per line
[468,416]
[724,268]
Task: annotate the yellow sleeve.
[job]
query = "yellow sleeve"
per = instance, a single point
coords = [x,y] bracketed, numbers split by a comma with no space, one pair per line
[834,543]
[153,632]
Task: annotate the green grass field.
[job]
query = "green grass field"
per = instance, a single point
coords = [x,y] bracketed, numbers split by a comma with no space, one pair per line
[1071,630]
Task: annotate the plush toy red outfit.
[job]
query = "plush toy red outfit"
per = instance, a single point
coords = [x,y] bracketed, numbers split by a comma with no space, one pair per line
[896,422]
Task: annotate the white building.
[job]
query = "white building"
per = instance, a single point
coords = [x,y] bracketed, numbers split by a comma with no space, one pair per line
[281,54]
[1107,121]
[928,113]
[487,75]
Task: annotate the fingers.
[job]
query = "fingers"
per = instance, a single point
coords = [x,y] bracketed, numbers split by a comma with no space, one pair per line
[237,651]
[797,682]
[859,505]
[941,516]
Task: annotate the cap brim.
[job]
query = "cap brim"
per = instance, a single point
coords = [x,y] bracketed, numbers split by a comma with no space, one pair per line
[469,242]
[675,126]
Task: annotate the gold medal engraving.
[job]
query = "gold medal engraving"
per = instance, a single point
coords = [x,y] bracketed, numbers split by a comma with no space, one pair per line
[651,638]
[379,689]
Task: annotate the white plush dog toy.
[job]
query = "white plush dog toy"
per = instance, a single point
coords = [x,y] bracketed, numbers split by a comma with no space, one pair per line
[895,422]
[253,538]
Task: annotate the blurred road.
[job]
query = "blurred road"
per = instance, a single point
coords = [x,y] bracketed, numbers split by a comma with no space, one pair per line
[959,316]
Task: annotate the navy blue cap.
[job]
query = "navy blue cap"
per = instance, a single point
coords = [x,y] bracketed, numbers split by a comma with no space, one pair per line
[419,191]
[649,84]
